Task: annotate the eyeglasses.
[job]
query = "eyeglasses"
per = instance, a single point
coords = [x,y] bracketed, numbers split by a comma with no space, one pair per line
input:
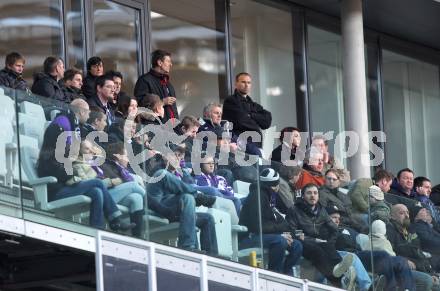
[210,163]
[331,179]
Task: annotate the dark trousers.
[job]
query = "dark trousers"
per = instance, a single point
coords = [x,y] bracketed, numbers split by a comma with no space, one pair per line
[324,257]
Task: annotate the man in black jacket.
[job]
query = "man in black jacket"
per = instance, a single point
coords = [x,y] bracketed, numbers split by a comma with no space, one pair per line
[71,84]
[46,82]
[11,75]
[157,81]
[105,89]
[320,234]
[244,113]
[275,230]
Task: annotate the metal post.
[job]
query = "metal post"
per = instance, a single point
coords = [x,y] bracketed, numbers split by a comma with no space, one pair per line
[354,84]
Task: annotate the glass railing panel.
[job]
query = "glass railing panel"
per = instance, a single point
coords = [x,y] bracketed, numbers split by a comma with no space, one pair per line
[10,194]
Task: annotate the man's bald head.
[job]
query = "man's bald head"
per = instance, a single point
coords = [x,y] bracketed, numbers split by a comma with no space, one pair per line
[400,214]
[81,110]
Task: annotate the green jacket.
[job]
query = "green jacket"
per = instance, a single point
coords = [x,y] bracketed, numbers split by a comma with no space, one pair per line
[359,195]
[380,210]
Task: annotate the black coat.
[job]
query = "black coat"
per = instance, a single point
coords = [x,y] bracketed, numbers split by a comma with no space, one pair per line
[47,86]
[428,235]
[246,115]
[272,221]
[95,102]
[407,246]
[88,87]
[276,153]
[151,83]
[314,224]
[10,79]
[71,93]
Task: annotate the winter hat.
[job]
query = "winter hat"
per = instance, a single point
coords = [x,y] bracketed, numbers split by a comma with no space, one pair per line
[332,209]
[414,211]
[376,193]
[378,227]
[269,177]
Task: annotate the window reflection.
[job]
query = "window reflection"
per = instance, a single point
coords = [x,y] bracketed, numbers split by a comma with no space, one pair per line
[117,39]
[262,41]
[33,28]
[192,39]
[411,101]
[74,34]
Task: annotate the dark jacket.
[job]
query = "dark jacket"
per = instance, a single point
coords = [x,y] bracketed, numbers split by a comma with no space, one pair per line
[47,164]
[71,93]
[276,153]
[314,223]
[156,83]
[246,115]
[272,220]
[47,86]
[106,109]
[407,245]
[10,79]
[428,235]
[88,87]
[333,197]
[396,189]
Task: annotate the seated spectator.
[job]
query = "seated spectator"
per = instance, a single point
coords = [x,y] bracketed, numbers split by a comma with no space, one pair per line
[345,244]
[359,192]
[288,178]
[379,241]
[120,184]
[95,68]
[379,209]
[46,82]
[117,79]
[406,243]
[290,139]
[276,232]
[176,200]
[104,94]
[427,231]
[97,122]
[157,111]
[102,203]
[71,85]
[129,193]
[330,162]
[212,118]
[12,75]
[329,195]
[403,184]
[209,178]
[423,188]
[127,106]
[312,169]
[320,237]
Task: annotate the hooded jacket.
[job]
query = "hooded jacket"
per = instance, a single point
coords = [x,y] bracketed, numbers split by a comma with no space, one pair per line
[47,86]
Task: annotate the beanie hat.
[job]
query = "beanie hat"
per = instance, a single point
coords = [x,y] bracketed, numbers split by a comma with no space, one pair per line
[269,177]
[414,211]
[332,209]
[376,193]
[378,227]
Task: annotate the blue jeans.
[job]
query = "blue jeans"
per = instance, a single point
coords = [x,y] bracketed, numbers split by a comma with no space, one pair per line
[277,246]
[185,205]
[129,194]
[208,238]
[363,281]
[395,269]
[102,202]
